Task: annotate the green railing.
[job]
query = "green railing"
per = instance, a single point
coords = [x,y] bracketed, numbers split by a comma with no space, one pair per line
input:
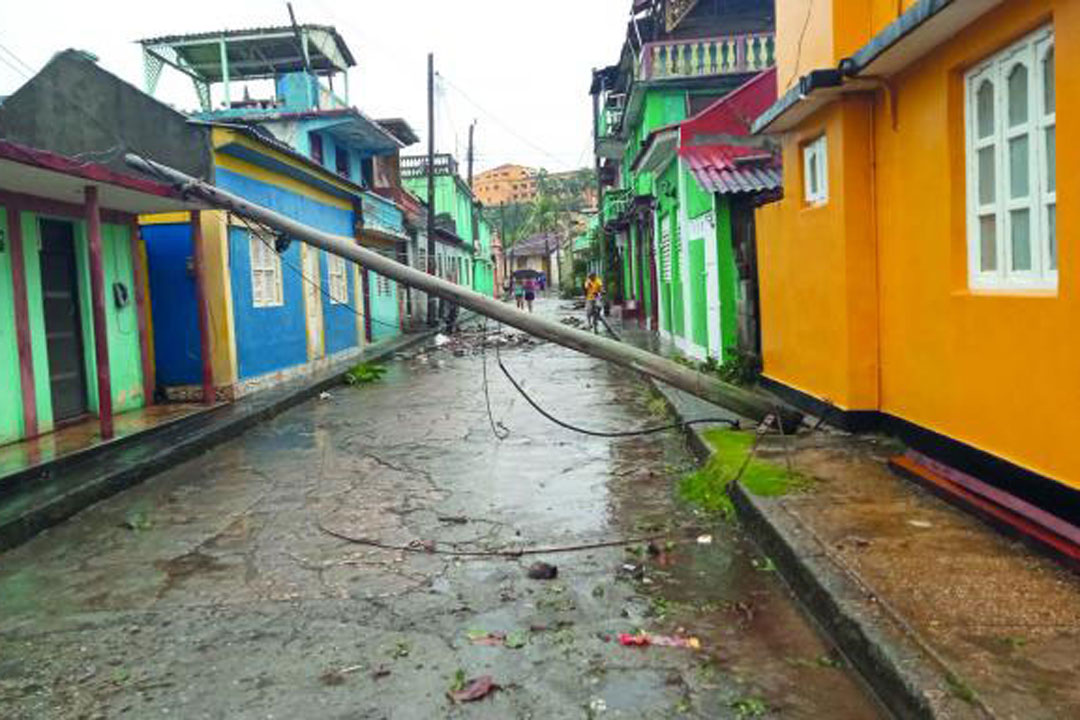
[616,202]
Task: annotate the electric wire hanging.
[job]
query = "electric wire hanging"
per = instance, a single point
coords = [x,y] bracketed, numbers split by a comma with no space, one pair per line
[733,423]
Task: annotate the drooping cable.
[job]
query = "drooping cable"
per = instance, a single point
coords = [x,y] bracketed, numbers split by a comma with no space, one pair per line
[605,433]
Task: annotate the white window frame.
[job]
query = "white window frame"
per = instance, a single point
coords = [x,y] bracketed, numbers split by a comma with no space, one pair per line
[266,279]
[816,156]
[338,276]
[1029,53]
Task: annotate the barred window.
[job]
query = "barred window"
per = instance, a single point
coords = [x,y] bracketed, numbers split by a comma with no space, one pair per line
[339,279]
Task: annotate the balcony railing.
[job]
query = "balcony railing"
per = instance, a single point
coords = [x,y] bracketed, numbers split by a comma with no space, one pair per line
[616,202]
[416,165]
[728,55]
[382,215]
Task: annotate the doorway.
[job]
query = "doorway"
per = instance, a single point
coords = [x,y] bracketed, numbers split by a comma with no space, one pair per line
[743,237]
[313,302]
[63,320]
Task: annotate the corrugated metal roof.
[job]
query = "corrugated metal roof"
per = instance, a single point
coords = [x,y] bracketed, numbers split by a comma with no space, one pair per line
[731,170]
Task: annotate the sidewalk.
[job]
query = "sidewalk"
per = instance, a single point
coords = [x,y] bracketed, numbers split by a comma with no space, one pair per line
[38,491]
[944,616]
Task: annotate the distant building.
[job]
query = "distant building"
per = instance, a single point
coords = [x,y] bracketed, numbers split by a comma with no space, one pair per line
[505,185]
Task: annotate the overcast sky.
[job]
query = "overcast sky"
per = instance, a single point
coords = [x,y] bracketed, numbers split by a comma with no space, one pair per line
[521,68]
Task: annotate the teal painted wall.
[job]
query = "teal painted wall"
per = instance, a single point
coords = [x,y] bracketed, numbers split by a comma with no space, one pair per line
[122,328]
[11,416]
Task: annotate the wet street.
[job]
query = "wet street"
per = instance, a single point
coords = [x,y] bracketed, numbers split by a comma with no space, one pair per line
[215,590]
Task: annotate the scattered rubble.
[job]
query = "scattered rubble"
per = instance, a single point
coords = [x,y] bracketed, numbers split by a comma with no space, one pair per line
[543,571]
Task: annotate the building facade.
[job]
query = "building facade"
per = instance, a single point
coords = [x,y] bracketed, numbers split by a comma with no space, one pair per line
[75,332]
[665,244]
[919,271]
[505,185]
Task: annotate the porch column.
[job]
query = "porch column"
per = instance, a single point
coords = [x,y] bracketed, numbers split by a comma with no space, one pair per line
[142,313]
[22,320]
[202,308]
[97,296]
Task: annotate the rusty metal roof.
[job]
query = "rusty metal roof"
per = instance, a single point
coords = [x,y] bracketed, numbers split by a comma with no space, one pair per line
[729,171]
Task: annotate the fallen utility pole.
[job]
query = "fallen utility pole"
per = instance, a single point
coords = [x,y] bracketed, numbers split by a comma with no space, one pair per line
[739,400]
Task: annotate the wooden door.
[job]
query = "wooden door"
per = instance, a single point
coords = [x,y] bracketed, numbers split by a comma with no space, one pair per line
[63,320]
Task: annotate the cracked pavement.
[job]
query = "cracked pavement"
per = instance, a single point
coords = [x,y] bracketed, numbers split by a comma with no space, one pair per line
[210,590]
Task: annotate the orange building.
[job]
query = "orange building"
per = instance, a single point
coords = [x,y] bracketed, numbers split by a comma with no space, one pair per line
[917,273]
[505,185]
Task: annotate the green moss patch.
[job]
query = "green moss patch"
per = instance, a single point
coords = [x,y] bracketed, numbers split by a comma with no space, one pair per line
[707,487]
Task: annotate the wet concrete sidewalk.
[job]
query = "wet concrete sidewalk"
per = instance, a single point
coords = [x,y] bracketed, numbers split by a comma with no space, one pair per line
[999,621]
[976,623]
[211,590]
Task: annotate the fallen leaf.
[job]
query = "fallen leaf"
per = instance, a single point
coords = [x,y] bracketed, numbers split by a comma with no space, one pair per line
[475,689]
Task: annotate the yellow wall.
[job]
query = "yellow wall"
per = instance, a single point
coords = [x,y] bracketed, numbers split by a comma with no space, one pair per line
[999,371]
[816,34]
[807,23]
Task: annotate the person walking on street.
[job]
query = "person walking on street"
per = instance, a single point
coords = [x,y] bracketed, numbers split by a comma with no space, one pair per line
[519,294]
[594,287]
[530,292]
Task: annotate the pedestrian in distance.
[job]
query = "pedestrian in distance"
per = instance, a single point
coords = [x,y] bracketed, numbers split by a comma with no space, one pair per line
[519,294]
[594,289]
[530,292]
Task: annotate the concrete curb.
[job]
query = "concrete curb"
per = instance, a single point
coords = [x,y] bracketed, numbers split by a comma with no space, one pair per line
[901,672]
[116,466]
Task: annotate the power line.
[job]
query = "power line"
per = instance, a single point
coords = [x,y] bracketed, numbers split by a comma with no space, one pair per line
[16,58]
[498,121]
[314,283]
[17,70]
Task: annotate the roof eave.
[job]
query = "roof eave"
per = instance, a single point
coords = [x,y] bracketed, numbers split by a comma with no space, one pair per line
[916,32]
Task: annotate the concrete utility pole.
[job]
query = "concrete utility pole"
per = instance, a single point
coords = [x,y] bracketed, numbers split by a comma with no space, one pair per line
[471,129]
[431,311]
[744,402]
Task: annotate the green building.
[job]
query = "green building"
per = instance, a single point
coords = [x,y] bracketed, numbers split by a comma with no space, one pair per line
[463,237]
[668,245]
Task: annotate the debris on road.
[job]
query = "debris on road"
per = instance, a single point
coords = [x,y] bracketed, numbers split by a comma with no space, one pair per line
[475,689]
[573,321]
[643,639]
[513,640]
[441,340]
[704,540]
[337,677]
[543,571]
[325,395]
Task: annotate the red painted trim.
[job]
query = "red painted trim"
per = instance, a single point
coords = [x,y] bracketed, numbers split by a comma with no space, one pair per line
[989,510]
[142,310]
[22,320]
[203,308]
[48,206]
[97,294]
[91,171]
[1006,500]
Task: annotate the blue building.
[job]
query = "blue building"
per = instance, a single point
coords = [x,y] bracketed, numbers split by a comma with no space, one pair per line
[276,309]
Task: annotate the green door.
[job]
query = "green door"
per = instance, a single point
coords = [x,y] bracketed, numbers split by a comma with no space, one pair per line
[699,314]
